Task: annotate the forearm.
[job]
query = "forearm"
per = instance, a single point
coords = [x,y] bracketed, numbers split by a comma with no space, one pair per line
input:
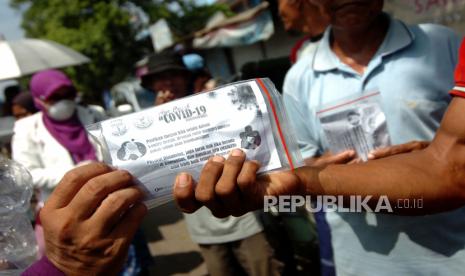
[435,174]
[419,175]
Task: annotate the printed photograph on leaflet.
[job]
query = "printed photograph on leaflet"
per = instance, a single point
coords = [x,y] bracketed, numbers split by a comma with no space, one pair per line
[358,124]
[158,143]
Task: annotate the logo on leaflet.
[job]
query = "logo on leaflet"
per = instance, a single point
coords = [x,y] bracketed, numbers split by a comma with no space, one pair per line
[118,128]
[131,150]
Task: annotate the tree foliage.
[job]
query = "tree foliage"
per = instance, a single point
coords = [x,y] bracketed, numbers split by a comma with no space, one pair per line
[101,30]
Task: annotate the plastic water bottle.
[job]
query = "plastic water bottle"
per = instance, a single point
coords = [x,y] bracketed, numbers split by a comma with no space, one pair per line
[18,247]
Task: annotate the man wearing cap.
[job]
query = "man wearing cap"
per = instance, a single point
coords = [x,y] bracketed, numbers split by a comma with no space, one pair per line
[435,174]
[167,76]
[230,245]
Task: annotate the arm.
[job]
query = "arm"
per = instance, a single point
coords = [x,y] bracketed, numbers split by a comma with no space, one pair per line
[27,152]
[436,174]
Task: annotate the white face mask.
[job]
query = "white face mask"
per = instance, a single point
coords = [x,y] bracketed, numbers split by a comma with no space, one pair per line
[62,110]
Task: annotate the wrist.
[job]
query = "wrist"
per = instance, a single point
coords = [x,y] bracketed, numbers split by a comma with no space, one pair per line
[67,266]
[55,263]
[309,180]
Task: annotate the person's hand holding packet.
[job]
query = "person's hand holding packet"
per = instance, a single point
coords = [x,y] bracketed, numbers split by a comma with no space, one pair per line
[231,186]
[90,220]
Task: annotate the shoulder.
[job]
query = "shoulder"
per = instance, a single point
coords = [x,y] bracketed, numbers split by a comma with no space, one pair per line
[26,128]
[301,68]
[308,49]
[441,42]
[437,30]
[25,124]
[296,48]
[299,75]
[436,33]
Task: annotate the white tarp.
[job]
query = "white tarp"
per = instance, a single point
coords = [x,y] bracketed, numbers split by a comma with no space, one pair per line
[161,35]
[244,29]
[446,12]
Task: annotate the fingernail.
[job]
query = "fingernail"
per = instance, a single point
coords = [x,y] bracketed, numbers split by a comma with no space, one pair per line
[218,159]
[371,156]
[237,153]
[183,180]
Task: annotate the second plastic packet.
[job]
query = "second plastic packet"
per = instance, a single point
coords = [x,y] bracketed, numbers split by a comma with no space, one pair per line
[355,123]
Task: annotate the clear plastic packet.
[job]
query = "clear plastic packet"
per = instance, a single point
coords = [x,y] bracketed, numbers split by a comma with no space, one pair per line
[180,136]
[18,247]
[356,123]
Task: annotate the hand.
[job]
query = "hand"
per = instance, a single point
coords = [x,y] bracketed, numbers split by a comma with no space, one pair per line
[90,220]
[398,149]
[345,157]
[231,187]
[164,97]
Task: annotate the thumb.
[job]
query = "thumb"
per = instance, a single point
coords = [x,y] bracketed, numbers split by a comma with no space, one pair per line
[184,193]
[388,151]
[343,157]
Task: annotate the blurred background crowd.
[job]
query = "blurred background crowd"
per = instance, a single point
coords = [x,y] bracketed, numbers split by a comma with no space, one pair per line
[85,61]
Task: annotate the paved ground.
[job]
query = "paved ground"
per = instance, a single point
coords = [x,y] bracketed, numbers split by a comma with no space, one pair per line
[173,251]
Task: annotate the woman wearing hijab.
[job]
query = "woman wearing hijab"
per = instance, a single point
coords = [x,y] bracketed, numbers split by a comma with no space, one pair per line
[54,140]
